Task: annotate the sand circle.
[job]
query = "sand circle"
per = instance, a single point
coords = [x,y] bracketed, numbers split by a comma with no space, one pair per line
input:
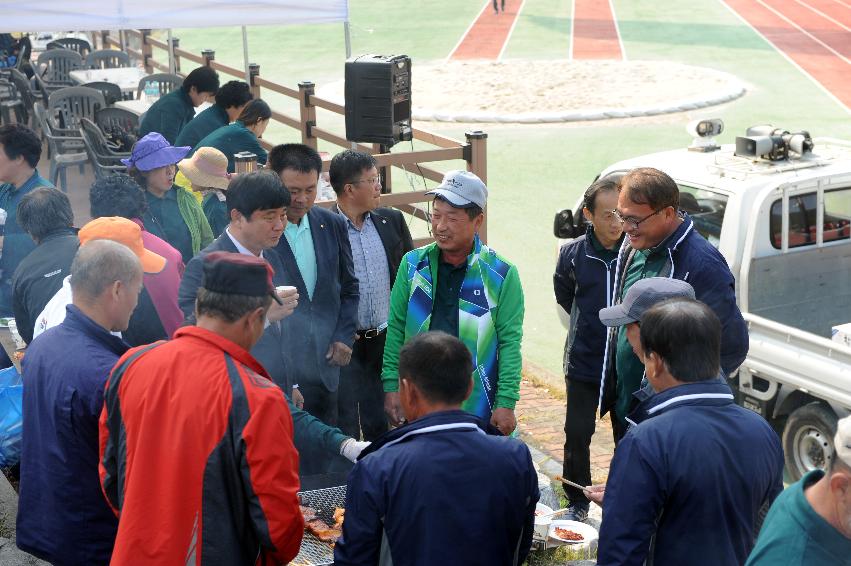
[560,90]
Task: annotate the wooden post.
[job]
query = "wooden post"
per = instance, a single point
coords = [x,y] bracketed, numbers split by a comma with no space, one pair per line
[147,51]
[253,73]
[175,45]
[307,113]
[209,56]
[477,162]
[103,35]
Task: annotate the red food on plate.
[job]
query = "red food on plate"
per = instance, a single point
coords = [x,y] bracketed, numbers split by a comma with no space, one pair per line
[567,534]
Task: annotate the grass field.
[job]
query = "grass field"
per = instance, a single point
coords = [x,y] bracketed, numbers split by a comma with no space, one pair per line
[535,170]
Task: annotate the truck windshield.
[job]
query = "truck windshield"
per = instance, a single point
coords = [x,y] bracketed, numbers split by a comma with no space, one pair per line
[706,209]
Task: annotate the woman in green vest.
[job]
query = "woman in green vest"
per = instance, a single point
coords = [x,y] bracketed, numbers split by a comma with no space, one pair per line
[242,135]
[207,171]
[173,214]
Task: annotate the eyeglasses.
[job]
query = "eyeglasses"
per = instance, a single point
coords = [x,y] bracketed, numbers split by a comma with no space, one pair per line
[631,221]
[371,181]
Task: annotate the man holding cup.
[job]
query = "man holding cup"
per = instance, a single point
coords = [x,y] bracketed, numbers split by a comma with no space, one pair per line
[257,205]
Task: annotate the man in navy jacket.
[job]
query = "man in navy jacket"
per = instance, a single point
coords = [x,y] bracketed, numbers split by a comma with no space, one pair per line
[689,480]
[317,259]
[446,488]
[583,285]
[663,242]
[63,517]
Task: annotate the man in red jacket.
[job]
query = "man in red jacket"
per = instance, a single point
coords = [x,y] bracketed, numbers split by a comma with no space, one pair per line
[196,442]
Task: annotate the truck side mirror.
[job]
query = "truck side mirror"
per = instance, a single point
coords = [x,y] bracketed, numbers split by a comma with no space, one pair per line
[563,226]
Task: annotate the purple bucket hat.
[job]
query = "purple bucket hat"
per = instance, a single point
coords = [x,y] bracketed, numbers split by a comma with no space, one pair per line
[154,151]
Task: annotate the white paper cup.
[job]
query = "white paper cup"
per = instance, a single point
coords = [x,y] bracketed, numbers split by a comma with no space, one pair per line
[285,290]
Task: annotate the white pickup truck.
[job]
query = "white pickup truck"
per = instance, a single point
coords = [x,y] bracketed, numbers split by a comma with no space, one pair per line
[784,227]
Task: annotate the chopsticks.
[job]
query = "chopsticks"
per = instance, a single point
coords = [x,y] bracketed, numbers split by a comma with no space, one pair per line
[557,512]
[571,484]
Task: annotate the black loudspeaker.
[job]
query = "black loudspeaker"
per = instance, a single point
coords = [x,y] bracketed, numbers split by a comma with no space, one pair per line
[378,99]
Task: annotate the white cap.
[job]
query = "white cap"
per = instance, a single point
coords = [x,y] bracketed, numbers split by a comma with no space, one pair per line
[462,189]
[842,441]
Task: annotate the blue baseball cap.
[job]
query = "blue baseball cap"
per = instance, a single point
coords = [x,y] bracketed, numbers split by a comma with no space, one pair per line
[642,296]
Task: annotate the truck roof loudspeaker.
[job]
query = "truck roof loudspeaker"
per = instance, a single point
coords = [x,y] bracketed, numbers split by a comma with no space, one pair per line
[378,99]
[773,144]
[704,132]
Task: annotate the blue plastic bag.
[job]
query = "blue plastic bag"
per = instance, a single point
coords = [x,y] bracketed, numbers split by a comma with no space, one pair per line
[11,419]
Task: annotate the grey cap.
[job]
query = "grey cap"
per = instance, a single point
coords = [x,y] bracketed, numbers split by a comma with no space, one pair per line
[462,189]
[641,296]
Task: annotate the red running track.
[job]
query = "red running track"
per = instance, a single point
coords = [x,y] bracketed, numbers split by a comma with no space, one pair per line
[595,33]
[489,32]
[814,34]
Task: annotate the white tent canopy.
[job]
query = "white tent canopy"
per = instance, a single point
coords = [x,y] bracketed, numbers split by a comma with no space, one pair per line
[88,15]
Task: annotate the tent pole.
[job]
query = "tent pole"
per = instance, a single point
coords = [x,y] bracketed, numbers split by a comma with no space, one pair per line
[171,66]
[347,32]
[245,54]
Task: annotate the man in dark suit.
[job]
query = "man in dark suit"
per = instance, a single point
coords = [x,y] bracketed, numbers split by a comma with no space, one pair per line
[257,206]
[317,259]
[379,238]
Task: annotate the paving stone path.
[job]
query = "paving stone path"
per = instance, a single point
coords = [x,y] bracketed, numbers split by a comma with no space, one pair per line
[540,417]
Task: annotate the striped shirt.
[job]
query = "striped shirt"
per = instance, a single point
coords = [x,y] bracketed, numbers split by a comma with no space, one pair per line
[372,271]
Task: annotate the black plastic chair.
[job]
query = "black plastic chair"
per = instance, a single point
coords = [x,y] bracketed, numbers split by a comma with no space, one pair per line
[10,101]
[107,59]
[111,92]
[26,49]
[24,91]
[81,46]
[118,125]
[166,82]
[103,158]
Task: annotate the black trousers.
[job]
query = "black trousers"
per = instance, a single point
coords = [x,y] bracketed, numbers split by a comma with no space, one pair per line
[495,7]
[322,404]
[579,426]
[361,398]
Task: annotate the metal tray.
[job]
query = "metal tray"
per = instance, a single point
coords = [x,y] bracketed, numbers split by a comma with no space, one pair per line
[314,552]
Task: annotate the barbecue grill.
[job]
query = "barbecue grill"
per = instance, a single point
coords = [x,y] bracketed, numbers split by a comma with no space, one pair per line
[314,552]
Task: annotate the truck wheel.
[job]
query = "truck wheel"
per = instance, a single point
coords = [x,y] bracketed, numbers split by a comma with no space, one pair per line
[808,439]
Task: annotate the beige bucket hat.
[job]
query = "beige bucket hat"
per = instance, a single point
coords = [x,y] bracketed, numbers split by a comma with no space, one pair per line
[208,167]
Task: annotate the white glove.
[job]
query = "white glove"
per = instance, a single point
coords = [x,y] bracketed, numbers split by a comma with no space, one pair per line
[350,449]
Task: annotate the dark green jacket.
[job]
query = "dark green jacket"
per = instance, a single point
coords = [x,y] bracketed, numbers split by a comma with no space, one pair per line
[216,212]
[231,139]
[202,125]
[168,115]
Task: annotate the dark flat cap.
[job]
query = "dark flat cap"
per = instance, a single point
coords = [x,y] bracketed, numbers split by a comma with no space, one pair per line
[238,274]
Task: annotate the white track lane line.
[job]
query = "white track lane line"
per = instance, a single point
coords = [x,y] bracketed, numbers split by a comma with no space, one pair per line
[823,15]
[805,32]
[785,56]
[511,31]
[617,30]
[841,3]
